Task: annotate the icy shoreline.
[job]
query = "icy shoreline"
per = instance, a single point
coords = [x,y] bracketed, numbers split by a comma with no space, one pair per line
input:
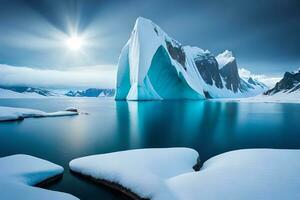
[111,185]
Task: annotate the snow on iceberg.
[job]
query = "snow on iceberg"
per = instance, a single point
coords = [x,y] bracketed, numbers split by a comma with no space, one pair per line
[153,66]
[142,171]
[166,174]
[225,58]
[19,173]
[12,113]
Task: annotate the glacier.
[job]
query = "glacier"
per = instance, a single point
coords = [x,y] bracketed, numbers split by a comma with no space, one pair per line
[153,66]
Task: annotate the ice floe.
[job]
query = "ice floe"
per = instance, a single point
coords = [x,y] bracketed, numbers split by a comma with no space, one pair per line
[13,113]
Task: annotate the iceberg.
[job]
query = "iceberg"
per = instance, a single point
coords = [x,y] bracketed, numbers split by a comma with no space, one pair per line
[153,66]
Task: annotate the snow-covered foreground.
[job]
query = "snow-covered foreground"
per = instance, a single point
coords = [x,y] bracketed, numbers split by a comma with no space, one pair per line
[11,113]
[167,174]
[279,97]
[19,173]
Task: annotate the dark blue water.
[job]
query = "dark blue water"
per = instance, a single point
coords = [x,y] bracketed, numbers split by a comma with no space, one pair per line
[209,127]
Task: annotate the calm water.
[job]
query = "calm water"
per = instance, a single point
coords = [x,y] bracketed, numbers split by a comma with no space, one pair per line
[209,127]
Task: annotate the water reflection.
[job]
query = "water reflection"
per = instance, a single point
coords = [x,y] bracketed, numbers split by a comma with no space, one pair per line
[173,123]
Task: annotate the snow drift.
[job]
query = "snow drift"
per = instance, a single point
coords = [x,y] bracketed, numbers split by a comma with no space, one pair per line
[153,66]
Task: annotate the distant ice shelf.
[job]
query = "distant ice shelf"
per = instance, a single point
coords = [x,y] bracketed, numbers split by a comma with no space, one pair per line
[13,113]
[167,174]
[280,97]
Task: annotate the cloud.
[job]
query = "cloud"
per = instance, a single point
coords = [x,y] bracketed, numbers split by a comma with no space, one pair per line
[268,80]
[77,78]
[101,76]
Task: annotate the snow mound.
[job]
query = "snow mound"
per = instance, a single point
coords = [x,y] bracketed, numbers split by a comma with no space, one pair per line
[20,172]
[11,113]
[142,171]
[166,174]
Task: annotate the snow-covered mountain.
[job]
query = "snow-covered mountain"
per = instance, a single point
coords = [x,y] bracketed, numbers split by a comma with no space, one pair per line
[153,66]
[287,90]
[91,92]
[289,84]
[25,92]
[5,93]
[30,92]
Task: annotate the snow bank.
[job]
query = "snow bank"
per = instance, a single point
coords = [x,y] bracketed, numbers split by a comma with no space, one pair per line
[166,174]
[142,171]
[20,172]
[11,113]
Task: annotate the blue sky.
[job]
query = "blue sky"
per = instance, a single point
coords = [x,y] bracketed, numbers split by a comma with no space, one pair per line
[263,34]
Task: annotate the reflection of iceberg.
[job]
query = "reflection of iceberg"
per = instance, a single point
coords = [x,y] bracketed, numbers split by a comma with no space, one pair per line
[153,66]
[181,123]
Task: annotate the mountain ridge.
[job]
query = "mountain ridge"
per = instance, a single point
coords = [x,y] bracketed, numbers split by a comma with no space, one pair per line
[288,84]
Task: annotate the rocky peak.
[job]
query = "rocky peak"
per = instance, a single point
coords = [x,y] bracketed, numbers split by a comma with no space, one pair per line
[290,82]
[230,74]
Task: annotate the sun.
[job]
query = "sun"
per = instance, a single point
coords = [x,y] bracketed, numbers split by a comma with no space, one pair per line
[74,43]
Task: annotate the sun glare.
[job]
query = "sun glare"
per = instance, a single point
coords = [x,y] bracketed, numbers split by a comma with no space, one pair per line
[74,43]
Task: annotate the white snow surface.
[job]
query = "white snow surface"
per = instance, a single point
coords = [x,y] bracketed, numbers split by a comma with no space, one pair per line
[268,174]
[224,58]
[166,174]
[13,113]
[143,171]
[19,173]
